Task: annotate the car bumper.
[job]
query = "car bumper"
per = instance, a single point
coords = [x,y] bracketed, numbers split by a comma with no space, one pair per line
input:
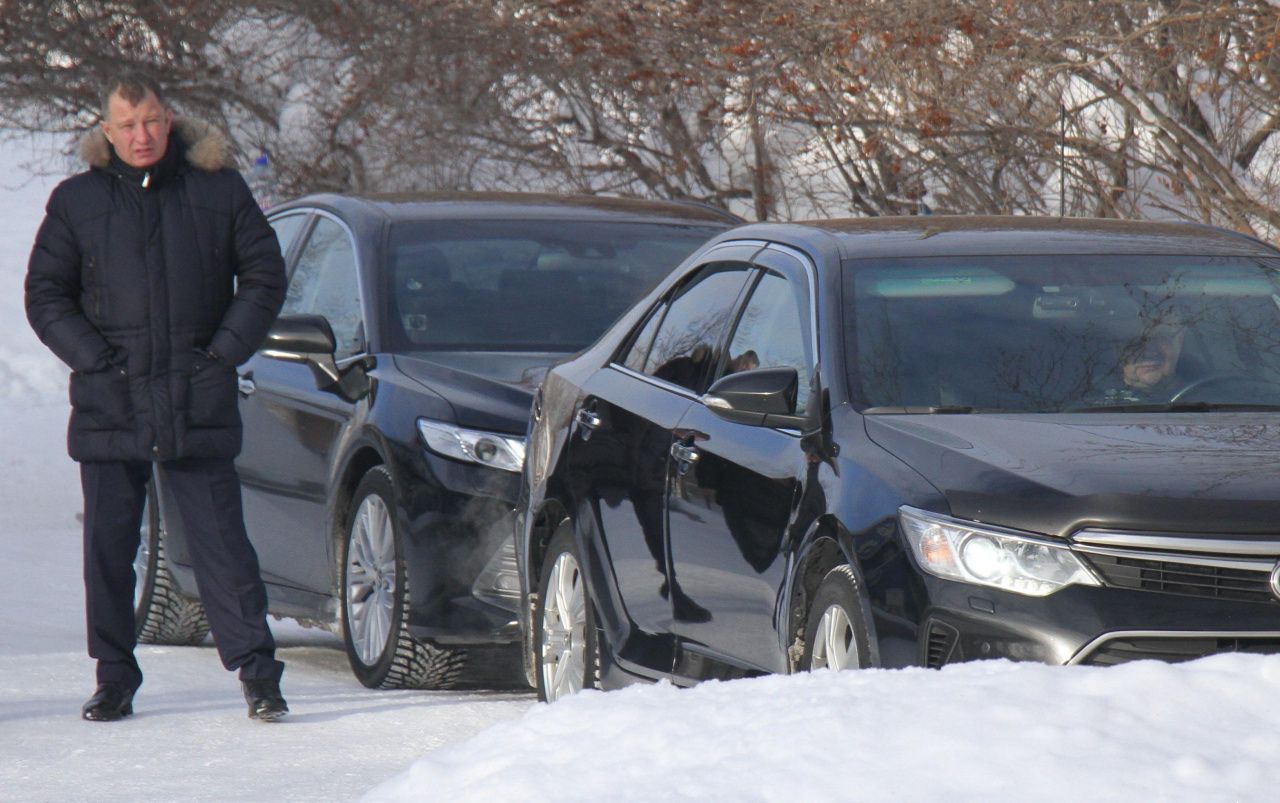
[459,553]
[1088,625]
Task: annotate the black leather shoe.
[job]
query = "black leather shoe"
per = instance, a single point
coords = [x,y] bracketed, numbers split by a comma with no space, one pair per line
[264,699]
[110,702]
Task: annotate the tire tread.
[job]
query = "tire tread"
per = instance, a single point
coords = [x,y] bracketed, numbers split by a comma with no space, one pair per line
[419,665]
[414,664]
[170,618]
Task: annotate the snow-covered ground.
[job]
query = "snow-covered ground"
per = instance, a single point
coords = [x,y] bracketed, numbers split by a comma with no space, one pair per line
[981,732]
[1205,731]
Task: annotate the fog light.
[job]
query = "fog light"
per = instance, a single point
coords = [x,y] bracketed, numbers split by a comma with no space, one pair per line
[507,582]
[500,578]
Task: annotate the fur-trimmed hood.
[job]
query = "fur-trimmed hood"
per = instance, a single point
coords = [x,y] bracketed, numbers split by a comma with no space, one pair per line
[207,148]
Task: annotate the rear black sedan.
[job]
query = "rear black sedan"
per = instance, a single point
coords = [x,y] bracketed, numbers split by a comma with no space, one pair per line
[913,442]
[384,419]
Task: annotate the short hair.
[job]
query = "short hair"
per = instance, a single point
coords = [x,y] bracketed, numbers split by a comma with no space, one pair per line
[133,86]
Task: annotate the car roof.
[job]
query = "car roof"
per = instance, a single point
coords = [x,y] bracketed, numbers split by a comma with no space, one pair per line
[514,205]
[954,235]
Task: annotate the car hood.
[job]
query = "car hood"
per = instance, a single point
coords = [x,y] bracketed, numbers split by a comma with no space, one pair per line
[1189,472]
[488,390]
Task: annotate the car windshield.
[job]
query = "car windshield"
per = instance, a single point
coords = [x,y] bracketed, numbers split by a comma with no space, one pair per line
[1063,333]
[523,285]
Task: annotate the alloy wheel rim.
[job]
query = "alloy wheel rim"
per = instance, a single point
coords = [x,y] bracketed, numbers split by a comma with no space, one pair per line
[564,627]
[371,579]
[833,644]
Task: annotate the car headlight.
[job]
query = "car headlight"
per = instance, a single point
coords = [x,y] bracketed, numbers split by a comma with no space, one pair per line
[960,550]
[472,445]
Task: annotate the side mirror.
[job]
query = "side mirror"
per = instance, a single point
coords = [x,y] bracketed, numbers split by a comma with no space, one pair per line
[293,336]
[760,397]
[309,339]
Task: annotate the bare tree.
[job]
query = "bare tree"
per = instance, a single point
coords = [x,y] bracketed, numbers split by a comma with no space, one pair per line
[1118,108]
[54,57]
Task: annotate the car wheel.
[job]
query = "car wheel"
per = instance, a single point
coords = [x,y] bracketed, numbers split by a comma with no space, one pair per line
[835,633]
[375,599]
[161,615]
[564,621]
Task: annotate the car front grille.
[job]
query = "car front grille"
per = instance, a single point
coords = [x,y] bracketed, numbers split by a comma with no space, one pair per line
[1188,579]
[1173,648]
[1226,568]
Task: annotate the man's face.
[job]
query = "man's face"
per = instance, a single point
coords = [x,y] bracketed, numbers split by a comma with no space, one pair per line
[1153,360]
[140,134]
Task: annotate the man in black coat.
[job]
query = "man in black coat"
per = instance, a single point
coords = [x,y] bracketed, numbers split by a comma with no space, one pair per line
[153,275]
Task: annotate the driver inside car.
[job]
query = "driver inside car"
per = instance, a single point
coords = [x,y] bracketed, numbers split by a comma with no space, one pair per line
[1148,371]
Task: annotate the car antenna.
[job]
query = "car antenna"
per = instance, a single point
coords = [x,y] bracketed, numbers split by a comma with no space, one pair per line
[1062,159]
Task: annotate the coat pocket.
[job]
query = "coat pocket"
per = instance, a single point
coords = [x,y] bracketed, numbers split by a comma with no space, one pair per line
[212,400]
[101,398]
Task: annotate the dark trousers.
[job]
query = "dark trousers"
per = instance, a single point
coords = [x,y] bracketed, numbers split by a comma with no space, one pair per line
[207,493]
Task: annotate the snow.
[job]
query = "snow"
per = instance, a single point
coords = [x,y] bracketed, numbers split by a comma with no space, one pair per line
[994,731]
[978,732]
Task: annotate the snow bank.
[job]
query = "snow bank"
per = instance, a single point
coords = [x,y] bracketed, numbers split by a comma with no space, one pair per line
[1204,731]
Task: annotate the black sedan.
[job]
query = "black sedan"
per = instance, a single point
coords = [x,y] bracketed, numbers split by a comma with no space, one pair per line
[384,419]
[914,441]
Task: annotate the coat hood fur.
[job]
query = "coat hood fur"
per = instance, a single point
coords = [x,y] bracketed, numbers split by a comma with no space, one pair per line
[207,147]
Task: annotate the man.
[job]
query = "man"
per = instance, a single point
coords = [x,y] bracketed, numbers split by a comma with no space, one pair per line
[1149,365]
[153,275]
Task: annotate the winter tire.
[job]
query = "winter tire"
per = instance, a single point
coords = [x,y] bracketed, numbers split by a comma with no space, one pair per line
[565,638]
[161,615]
[375,599]
[835,634]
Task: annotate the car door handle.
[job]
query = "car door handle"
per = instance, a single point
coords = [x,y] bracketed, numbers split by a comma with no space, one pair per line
[589,422]
[246,385]
[684,455]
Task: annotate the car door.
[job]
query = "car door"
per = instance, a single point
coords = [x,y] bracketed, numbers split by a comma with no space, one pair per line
[733,489]
[292,428]
[620,450]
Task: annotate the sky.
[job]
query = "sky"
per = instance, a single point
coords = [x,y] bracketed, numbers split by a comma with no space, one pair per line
[990,731]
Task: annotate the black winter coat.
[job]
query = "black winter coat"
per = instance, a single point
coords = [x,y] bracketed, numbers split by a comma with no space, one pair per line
[128,285]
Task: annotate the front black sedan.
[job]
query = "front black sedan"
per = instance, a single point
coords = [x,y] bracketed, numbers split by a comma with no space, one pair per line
[384,419]
[916,441]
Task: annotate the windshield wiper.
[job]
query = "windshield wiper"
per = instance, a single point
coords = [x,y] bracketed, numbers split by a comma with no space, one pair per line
[1176,407]
[945,409]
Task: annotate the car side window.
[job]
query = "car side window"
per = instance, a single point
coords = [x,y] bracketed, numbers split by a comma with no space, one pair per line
[287,228]
[772,333]
[325,282]
[688,338]
[638,352]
